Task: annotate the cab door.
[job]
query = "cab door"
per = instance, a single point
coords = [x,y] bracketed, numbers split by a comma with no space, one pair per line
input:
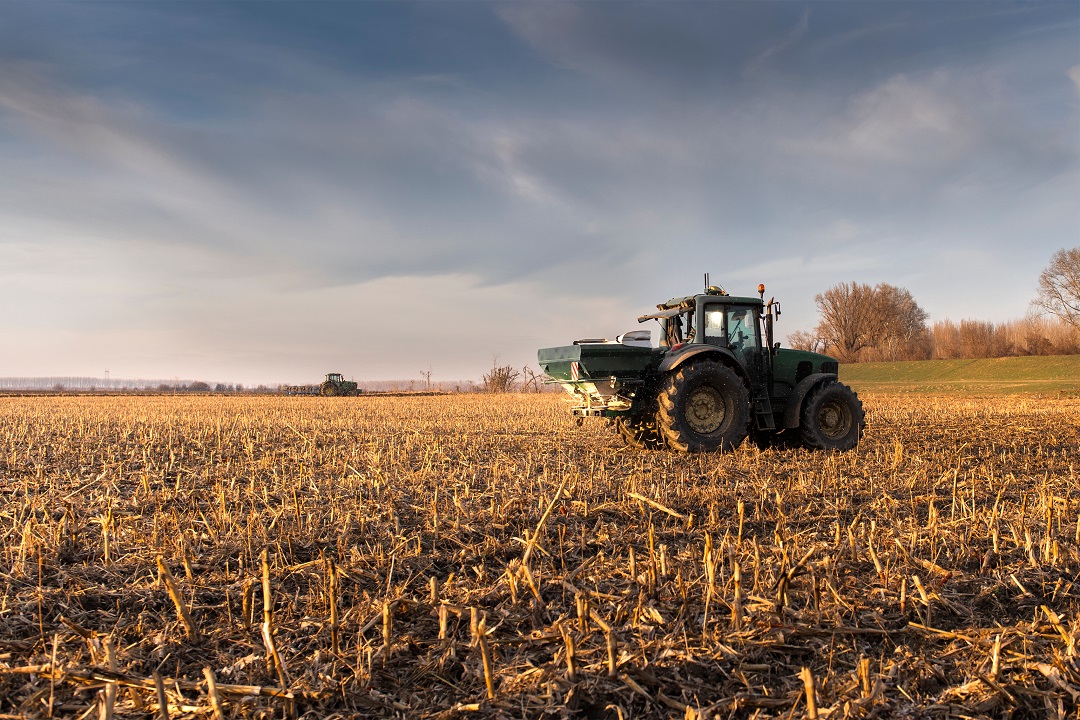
[743,332]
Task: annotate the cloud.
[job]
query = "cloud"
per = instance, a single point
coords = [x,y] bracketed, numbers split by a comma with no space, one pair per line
[903,121]
[796,34]
[401,186]
[899,125]
[513,173]
[671,48]
[109,169]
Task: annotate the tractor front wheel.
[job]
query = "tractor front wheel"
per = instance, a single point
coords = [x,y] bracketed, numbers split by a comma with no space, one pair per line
[832,418]
[704,407]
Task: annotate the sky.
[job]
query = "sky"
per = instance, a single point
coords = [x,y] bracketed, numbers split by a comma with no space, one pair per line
[263,192]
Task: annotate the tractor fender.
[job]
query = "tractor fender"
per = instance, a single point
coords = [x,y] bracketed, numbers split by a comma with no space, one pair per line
[794,404]
[674,360]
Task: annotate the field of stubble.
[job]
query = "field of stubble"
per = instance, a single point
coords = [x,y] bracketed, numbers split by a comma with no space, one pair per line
[478,556]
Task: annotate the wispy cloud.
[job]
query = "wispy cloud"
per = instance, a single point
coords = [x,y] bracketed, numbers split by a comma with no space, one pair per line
[796,34]
[900,124]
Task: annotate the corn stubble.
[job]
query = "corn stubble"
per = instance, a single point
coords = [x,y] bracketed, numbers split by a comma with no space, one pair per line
[483,556]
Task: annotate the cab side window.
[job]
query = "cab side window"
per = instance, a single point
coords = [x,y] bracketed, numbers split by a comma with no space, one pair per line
[714,325]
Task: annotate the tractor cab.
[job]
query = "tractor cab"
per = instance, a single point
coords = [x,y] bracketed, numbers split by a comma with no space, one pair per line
[741,326]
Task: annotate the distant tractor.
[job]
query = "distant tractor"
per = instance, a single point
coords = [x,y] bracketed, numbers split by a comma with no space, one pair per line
[716,378]
[335,384]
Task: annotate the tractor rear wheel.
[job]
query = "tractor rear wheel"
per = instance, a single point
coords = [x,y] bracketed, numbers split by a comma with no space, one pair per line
[328,390]
[832,418]
[704,407]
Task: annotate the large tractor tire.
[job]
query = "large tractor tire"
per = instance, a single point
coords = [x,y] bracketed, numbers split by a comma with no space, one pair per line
[328,390]
[832,418]
[704,407]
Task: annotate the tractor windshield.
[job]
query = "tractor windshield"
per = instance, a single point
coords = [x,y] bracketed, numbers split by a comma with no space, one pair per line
[734,326]
[742,331]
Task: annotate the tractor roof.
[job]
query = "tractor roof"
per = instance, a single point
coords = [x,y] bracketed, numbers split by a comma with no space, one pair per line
[690,300]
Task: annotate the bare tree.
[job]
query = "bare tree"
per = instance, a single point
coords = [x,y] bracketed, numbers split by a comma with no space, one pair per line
[1059,286]
[902,331]
[531,380]
[802,340]
[860,322]
[847,324]
[426,374]
[501,378]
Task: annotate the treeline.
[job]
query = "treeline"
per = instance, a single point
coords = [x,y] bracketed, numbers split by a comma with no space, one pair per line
[94,384]
[883,323]
[58,383]
[963,340]
[971,339]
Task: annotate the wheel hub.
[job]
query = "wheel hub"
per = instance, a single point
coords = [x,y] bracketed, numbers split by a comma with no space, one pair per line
[705,410]
[834,420]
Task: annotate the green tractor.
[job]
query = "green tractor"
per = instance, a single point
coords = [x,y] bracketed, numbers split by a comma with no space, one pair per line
[716,378]
[335,384]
